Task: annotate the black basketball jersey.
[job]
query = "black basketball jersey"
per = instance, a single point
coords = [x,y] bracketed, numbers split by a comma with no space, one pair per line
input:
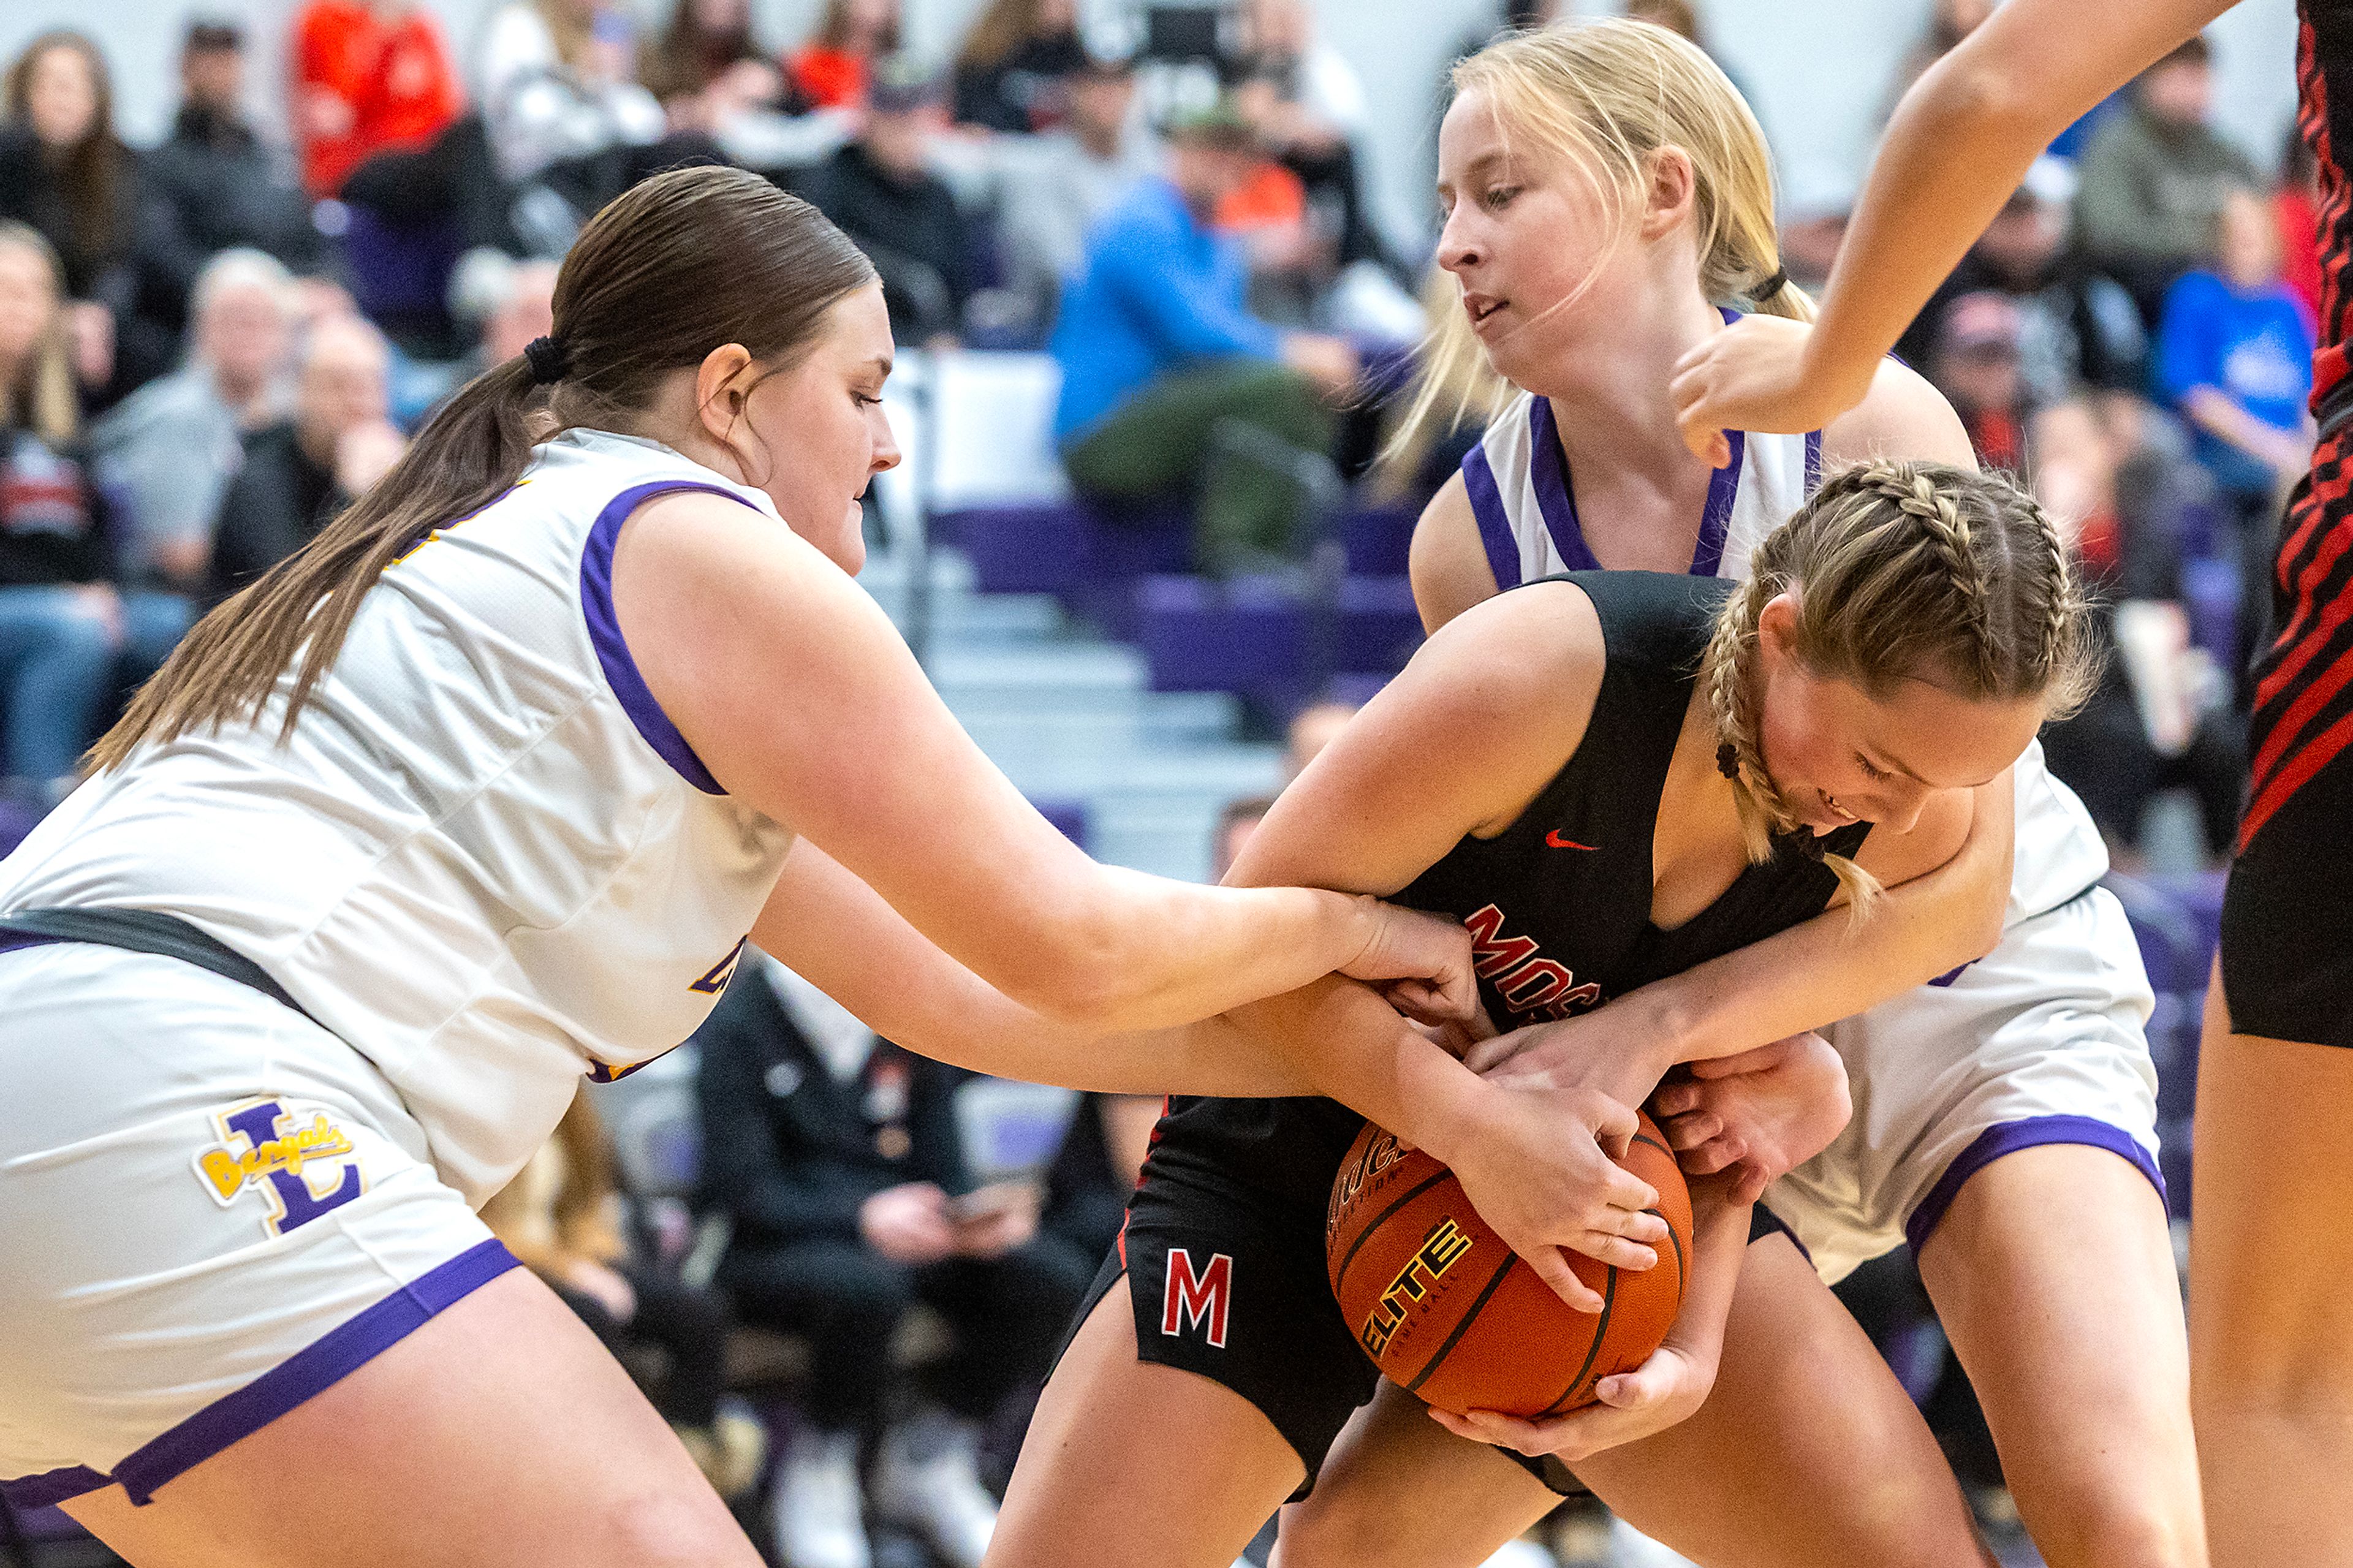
[1558,903]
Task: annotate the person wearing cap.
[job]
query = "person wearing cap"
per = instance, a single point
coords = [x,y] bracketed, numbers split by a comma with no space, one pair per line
[1055,186]
[2156,177]
[1977,369]
[880,190]
[2080,326]
[219,184]
[1157,347]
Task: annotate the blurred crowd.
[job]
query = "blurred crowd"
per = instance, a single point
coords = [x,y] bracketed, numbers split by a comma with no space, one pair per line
[209,346]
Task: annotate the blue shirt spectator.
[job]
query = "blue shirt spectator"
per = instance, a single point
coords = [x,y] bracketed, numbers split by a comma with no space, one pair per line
[1157,290]
[2235,353]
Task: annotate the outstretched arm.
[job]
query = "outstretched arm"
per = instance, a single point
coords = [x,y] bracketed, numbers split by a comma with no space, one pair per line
[798,696]
[1959,145]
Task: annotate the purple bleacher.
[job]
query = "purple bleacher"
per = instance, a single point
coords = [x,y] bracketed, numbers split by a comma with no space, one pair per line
[1131,540]
[2209,587]
[1068,818]
[1248,635]
[1379,627]
[1377,538]
[1084,553]
[1038,549]
[400,271]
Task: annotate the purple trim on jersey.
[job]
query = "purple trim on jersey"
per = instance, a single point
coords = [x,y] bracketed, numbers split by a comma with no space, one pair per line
[1556,499]
[1716,521]
[310,1370]
[2009,1138]
[613,649]
[1813,462]
[1494,524]
[1548,473]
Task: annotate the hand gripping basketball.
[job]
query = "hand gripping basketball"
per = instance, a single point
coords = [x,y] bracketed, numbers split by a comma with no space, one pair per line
[1453,1316]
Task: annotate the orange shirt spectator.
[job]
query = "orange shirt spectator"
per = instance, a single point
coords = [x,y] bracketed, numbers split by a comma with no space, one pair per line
[833,68]
[367,78]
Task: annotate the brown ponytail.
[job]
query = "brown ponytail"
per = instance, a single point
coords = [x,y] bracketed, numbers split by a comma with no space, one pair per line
[678,266]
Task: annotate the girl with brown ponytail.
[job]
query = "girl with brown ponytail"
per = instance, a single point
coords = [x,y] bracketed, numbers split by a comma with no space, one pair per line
[487,788]
[1614,776]
[1608,209]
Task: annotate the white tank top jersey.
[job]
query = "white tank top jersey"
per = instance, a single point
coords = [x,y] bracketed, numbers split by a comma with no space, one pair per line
[1525,501]
[486,859]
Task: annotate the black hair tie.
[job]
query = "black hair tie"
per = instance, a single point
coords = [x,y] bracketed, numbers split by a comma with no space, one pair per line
[548,360]
[1727,761]
[1771,286]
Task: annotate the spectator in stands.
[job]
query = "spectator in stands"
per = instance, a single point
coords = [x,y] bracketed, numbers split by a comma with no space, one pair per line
[2161,718]
[706,67]
[1014,72]
[1156,350]
[832,70]
[219,186]
[1057,186]
[562,1217]
[880,190]
[66,632]
[1949,21]
[837,1159]
[1978,367]
[2077,327]
[2155,178]
[2235,356]
[299,473]
[64,171]
[1308,105]
[2295,209]
[176,443]
[370,75]
[558,85]
[1095,1168]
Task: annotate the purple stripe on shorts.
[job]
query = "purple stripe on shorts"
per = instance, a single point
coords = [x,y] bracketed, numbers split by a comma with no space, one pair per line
[1813,462]
[613,649]
[310,1370]
[1494,522]
[2009,1138]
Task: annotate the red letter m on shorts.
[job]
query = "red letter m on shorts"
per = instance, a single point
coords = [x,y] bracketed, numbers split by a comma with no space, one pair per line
[1192,1299]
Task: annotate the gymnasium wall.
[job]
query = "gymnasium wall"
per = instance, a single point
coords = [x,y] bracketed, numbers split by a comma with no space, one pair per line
[1818,70]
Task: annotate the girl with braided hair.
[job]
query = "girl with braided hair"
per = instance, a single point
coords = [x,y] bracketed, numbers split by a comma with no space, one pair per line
[1611,777]
[1601,229]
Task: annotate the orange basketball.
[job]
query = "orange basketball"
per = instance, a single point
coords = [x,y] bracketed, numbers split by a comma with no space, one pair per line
[1452,1316]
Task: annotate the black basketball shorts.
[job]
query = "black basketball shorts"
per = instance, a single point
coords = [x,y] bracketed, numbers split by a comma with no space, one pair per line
[1230,1284]
[2287,918]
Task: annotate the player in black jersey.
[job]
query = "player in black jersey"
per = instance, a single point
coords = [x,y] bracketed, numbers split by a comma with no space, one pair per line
[2012,1083]
[2270,1324]
[1608,777]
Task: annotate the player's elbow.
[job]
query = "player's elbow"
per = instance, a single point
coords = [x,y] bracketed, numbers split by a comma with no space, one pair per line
[1980,98]
[1080,968]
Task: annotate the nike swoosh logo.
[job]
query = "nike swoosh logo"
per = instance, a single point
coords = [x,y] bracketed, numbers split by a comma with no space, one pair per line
[1556,841]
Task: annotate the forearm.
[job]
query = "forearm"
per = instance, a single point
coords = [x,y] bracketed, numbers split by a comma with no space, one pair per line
[1835,965]
[1342,1041]
[1719,1244]
[1959,145]
[1155,953]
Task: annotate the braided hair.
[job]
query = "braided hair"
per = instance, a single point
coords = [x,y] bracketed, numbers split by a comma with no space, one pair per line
[1900,569]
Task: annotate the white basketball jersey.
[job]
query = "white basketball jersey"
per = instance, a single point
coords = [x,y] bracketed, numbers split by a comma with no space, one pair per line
[1523,499]
[486,858]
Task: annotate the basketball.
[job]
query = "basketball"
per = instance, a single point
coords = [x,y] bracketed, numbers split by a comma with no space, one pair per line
[1453,1317]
